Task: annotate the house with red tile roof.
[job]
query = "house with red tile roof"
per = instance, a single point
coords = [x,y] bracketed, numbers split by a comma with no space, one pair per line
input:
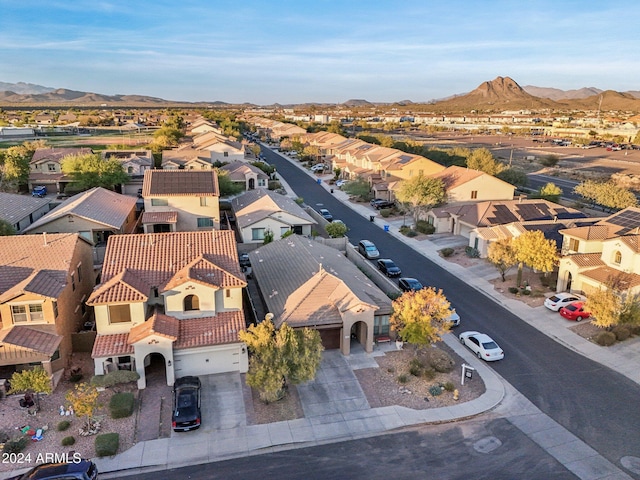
[44,282]
[180,200]
[173,300]
[603,254]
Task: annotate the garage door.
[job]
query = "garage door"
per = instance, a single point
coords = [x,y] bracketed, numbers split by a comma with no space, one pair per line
[207,362]
[330,338]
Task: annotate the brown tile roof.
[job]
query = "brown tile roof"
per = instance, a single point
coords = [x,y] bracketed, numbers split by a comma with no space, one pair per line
[632,241]
[166,183]
[56,154]
[159,217]
[202,270]
[111,345]
[36,263]
[605,275]
[154,259]
[159,324]
[592,232]
[40,339]
[454,176]
[98,205]
[583,260]
[200,332]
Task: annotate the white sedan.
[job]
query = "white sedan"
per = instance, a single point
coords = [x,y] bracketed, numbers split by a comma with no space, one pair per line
[562,299]
[482,345]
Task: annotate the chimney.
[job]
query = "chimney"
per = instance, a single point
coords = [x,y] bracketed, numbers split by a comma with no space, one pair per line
[44,236]
[555,219]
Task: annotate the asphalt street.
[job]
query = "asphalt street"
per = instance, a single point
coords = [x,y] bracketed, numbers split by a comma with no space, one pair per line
[591,401]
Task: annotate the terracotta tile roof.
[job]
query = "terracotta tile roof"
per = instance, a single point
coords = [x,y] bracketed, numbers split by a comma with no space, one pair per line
[38,338]
[36,263]
[165,183]
[632,241]
[605,275]
[111,345]
[98,205]
[583,260]
[159,217]
[124,287]
[56,154]
[454,176]
[591,232]
[201,270]
[200,332]
[159,324]
[154,259]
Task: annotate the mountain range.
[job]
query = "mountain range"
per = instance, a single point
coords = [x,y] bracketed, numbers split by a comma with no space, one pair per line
[502,93]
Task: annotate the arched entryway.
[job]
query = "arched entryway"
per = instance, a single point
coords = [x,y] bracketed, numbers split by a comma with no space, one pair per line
[252,184]
[358,336]
[155,370]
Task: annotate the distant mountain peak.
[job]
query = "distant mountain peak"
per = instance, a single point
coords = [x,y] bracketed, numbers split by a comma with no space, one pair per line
[500,87]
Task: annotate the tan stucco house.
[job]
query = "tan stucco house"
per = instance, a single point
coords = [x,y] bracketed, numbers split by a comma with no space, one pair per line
[180,200]
[45,167]
[173,299]
[44,282]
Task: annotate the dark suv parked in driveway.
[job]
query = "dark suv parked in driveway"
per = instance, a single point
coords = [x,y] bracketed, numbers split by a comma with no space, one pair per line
[186,404]
[379,203]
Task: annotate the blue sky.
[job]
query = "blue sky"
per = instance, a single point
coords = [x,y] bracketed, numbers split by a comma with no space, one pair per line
[317,50]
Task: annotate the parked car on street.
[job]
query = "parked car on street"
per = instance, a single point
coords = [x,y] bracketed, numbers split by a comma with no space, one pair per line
[74,470]
[408,284]
[482,345]
[326,214]
[367,249]
[388,267]
[559,300]
[186,404]
[454,318]
[574,311]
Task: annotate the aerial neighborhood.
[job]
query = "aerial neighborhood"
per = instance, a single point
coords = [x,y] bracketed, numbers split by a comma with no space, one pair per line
[195,254]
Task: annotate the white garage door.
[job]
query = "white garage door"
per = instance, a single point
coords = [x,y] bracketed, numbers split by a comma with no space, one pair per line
[207,362]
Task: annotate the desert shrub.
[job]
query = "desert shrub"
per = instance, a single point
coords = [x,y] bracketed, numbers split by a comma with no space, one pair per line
[107,444]
[449,387]
[403,378]
[121,405]
[472,252]
[416,367]
[635,329]
[404,229]
[439,360]
[63,425]
[67,441]
[385,212]
[435,390]
[4,437]
[422,226]
[447,252]
[526,291]
[621,333]
[605,339]
[412,233]
[429,374]
[15,445]
[299,200]
[513,290]
[75,378]
[114,378]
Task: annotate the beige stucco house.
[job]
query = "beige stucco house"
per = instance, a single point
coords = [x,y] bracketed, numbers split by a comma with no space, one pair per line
[260,211]
[180,200]
[44,282]
[603,254]
[173,299]
[45,167]
[464,185]
[307,284]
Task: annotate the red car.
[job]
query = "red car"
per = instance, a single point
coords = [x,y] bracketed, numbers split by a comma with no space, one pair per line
[574,311]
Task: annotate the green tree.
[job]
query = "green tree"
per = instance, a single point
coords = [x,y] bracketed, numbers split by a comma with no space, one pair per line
[226,185]
[265,167]
[268,236]
[550,192]
[255,149]
[280,355]
[422,193]
[358,187]
[482,159]
[35,380]
[84,401]
[514,176]
[549,160]
[420,317]
[606,194]
[336,229]
[502,255]
[14,166]
[6,229]
[91,170]
[535,251]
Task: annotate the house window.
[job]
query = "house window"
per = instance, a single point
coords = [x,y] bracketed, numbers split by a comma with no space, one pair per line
[284,230]
[617,257]
[130,170]
[51,167]
[27,313]
[55,309]
[225,154]
[381,325]
[205,201]
[205,222]
[227,293]
[56,355]
[257,234]
[119,314]
[73,282]
[79,271]
[159,202]
[574,244]
[191,302]
[474,194]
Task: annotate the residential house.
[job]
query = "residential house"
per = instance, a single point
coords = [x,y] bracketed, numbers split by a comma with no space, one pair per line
[464,184]
[135,163]
[180,200]
[307,284]
[186,158]
[44,282]
[260,211]
[220,148]
[203,126]
[173,300]
[246,174]
[20,211]
[95,215]
[603,254]
[45,167]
